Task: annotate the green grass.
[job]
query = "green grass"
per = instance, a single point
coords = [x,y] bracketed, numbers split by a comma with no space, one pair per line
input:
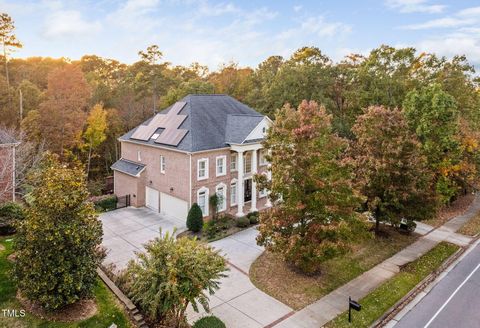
[269,273]
[385,296]
[108,311]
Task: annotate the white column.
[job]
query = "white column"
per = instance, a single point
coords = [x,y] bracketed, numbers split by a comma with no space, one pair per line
[269,177]
[240,190]
[253,208]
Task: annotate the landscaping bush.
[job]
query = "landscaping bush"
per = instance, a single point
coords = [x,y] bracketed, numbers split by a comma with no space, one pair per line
[253,217]
[209,322]
[11,214]
[195,218]
[171,274]
[225,221]
[243,222]
[210,229]
[56,245]
[105,203]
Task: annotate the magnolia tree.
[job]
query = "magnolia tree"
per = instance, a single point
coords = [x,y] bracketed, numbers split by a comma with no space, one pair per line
[56,246]
[390,170]
[310,223]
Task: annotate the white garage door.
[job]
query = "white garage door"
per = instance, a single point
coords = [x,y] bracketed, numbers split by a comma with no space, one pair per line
[173,206]
[151,198]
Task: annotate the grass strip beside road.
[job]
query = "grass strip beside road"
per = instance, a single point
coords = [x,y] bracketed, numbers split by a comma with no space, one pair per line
[385,296]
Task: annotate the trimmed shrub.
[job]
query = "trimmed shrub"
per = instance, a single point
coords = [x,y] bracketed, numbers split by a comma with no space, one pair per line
[253,219]
[105,203]
[11,214]
[210,229]
[56,245]
[243,222]
[170,275]
[209,322]
[195,218]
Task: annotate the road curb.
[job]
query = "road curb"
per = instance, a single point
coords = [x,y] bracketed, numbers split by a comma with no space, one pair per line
[421,286]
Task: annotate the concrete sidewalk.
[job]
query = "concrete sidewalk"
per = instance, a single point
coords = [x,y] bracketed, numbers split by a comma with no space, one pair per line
[330,306]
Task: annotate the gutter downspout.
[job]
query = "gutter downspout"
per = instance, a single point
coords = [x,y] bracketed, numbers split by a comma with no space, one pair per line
[190,181]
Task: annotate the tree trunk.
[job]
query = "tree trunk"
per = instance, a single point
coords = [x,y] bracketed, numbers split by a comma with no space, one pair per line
[377,226]
[89,158]
[7,76]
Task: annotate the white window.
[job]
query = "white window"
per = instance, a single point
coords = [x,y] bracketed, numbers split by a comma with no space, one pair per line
[139,156]
[247,163]
[233,193]
[202,169]
[202,200]
[263,160]
[263,192]
[221,191]
[221,164]
[233,162]
[163,164]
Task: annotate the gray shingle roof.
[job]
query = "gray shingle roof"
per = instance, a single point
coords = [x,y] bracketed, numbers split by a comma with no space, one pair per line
[128,167]
[212,122]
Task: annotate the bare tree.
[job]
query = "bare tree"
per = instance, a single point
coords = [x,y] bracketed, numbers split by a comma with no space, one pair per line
[19,155]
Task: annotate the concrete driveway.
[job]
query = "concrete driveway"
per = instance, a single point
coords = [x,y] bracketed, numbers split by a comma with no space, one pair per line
[126,230]
[238,302]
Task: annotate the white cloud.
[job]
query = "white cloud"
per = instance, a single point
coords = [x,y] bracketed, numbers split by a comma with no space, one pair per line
[134,14]
[68,23]
[206,9]
[454,44]
[297,8]
[415,6]
[446,22]
[469,12]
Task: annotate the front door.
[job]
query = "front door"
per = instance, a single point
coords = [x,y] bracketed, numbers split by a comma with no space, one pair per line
[247,190]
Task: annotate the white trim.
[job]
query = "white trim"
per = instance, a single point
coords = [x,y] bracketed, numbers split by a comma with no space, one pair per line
[224,196]
[263,192]
[206,169]
[224,160]
[258,130]
[162,164]
[172,149]
[204,189]
[262,161]
[139,155]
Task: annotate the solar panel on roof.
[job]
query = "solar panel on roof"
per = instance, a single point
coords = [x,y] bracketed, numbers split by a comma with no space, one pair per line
[169,122]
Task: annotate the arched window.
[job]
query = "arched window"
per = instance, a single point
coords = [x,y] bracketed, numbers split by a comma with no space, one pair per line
[221,190]
[202,200]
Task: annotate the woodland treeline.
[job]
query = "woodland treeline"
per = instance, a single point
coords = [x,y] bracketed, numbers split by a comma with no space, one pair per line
[78,108]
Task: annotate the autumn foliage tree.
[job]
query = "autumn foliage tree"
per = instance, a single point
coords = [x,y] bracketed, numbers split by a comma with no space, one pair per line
[390,170]
[310,224]
[62,115]
[94,135]
[434,117]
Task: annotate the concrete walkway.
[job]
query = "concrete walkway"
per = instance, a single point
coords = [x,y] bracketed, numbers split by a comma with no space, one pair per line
[238,303]
[330,306]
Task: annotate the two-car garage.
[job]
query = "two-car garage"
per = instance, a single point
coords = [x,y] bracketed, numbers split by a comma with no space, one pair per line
[166,204]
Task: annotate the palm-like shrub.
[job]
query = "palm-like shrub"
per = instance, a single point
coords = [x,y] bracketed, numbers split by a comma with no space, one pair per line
[56,244]
[171,274]
[195,218]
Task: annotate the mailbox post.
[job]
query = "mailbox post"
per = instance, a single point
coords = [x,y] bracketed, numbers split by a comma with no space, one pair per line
[352,305]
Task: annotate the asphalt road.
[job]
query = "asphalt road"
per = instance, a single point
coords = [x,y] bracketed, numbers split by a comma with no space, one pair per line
[453,302]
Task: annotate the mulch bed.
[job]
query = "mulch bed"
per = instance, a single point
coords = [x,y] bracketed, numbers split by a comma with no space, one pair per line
[457,207]
[78,311]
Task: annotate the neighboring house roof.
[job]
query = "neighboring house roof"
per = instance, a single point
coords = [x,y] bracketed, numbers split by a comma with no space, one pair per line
[212,121]
[128,167]
[7,139]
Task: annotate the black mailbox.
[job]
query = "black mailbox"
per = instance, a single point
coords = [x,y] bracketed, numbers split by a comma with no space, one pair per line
[352,305]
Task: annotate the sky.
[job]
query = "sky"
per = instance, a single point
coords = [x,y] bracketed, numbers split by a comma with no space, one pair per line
[246,32]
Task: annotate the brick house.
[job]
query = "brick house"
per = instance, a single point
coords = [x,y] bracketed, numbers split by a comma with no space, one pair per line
[201,145]
[7,167]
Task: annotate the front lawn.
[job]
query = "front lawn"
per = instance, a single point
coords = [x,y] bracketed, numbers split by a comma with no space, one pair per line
[472,227]
[385,296]
[270,274]
[108,310]
[457,207]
